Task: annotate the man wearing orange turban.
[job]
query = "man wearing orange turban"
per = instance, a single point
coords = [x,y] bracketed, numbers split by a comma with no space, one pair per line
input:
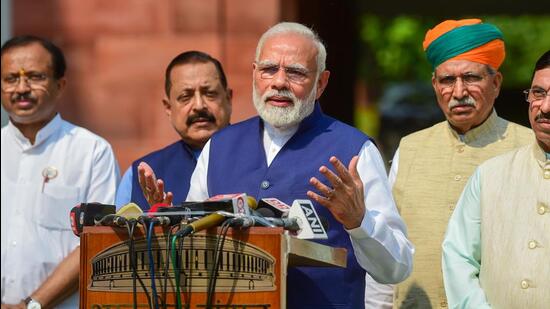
[431,166]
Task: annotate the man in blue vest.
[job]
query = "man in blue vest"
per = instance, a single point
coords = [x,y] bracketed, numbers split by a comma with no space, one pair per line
[198,103]
[283,153]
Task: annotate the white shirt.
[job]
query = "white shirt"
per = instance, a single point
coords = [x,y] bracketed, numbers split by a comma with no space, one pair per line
[36,230]
[380,243]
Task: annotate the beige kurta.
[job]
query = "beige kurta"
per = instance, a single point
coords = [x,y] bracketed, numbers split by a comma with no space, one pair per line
[434,165]
[515,229]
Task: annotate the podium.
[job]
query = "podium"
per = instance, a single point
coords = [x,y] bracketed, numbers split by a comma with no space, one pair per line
[251,274]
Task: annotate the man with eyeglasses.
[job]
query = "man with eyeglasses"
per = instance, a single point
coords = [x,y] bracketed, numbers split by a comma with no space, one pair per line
[284,153]
[507,200]
[431,166]
[48,166]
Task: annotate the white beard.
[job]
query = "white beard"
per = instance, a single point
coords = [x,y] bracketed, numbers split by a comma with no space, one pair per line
[283,117]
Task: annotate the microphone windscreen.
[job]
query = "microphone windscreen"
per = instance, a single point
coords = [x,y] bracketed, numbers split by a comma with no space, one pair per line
[266,212]
[252,203]
[130,211]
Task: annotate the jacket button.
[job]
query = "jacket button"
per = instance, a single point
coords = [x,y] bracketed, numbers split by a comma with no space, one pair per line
[265,184]
[532,244]
[524,284]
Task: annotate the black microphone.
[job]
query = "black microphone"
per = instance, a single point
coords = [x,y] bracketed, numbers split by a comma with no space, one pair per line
[85,214]
[229,203]
[157,220]
[295,217]
[274,207]
[290,224]
[111,220]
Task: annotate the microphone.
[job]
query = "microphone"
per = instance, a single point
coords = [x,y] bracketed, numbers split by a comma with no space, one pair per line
[213,219]
[272,206]
[249,221]
[229,203]
[311,226]
[85,214]
[301,219]
[240,202]
[128,212]
[111,220]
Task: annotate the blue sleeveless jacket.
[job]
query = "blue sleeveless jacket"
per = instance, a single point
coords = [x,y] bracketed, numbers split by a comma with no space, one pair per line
[173,164]
[237,163]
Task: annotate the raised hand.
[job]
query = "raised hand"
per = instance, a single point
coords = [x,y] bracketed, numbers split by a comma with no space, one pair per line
[152,188]
[344,198]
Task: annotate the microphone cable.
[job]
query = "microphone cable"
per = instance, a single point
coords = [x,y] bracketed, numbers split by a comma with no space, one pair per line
[175,262]
[218,251]
[150,233]
[167,266]
[131,225]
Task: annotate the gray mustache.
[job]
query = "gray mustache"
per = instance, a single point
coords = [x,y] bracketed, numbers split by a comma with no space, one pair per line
[542,115]
[282,93]
[464,101]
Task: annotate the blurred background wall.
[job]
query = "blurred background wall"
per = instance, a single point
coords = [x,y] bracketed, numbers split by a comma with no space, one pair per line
[117,51]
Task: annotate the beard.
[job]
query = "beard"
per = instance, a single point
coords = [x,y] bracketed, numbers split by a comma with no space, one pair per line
[282,117]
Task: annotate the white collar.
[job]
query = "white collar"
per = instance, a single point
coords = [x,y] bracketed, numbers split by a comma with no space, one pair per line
[280,133]
[42,135]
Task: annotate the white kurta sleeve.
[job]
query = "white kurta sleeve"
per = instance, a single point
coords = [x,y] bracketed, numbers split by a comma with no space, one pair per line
[380,243]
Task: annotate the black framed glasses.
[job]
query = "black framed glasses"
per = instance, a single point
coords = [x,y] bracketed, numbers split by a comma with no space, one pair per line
[535,94]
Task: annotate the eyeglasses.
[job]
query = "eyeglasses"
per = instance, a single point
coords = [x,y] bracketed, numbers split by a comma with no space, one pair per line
[535,94]
[468,79]
[32,79]
[293,74]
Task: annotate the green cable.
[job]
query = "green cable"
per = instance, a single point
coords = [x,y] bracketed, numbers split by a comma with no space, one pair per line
[176,272]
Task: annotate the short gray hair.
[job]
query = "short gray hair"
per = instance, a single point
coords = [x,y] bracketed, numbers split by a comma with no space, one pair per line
[290,27]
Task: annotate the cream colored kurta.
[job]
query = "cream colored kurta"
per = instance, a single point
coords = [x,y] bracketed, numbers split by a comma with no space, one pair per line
[434,165]
[515,229]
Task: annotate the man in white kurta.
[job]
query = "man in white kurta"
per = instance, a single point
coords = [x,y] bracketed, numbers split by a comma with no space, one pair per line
[496,250]
[48,166]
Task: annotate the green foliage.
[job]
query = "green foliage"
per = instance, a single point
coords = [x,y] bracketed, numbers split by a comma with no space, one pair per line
[526,39]
[395,46]
[392,47]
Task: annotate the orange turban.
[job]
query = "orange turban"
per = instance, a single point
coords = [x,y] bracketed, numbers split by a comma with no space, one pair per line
[466,39]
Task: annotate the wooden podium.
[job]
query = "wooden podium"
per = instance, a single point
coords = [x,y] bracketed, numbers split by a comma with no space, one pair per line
[251,273]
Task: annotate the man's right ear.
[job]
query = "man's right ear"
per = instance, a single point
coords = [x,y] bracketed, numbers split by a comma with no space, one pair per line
[167,106]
